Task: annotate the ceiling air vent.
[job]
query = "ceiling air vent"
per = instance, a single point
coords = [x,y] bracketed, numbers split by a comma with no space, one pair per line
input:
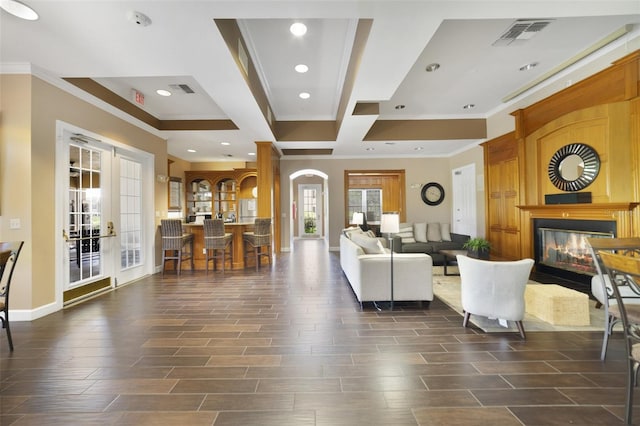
[182,87]
[521,31]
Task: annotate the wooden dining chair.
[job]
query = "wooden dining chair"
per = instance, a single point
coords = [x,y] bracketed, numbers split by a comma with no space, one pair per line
[624,271]
[601,287]
[9,252]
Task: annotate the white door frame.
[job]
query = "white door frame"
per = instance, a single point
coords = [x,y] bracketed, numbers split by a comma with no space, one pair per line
[61,190]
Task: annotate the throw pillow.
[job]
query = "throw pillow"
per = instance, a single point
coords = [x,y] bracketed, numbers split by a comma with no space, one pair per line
[369,245]
[420,232]
[406,234]
[349,232]
[433,232]
[446,232]
[371,233]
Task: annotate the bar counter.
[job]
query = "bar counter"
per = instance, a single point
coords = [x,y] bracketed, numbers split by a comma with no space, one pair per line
[236,228]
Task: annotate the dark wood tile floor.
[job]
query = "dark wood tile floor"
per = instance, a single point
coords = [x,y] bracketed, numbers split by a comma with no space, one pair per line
[289,345]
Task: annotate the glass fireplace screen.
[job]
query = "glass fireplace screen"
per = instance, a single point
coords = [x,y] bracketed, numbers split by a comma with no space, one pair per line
[568,249]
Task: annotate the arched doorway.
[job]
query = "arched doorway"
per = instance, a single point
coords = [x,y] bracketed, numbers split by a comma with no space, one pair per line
[309,199]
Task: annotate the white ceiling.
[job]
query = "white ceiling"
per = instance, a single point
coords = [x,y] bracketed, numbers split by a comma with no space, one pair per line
[183,45]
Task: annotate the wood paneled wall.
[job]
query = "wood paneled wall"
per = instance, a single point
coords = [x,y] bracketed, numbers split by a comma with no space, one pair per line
[602,111]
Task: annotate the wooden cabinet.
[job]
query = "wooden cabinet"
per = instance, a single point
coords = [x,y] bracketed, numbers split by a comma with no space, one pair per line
[218,192]
[503,196]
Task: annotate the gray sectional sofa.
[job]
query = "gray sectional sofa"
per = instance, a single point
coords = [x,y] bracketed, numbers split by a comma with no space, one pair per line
[427,239]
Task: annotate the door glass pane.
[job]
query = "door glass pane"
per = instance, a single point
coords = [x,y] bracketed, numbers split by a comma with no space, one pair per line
[130,213]
[309,210]
[85,213]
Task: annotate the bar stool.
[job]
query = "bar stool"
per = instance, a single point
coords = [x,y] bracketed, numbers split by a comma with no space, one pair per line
[216,242]
[177,243]
[256,241]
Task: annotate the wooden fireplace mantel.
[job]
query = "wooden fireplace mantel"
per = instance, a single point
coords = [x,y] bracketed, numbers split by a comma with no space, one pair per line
[625,214]
[573,208]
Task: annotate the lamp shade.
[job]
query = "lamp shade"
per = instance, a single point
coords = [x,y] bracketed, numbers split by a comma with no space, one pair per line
[390,223]
[358,218]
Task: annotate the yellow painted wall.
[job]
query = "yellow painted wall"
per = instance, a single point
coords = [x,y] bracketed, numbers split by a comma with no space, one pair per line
[30,109]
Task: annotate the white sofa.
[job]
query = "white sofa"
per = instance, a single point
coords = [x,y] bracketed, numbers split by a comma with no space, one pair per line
[370,274]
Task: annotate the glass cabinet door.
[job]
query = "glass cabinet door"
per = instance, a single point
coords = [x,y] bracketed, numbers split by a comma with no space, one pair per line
[199,199]
[225,200]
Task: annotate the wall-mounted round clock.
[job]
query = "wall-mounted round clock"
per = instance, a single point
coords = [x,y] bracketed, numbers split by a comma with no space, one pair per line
[432,193]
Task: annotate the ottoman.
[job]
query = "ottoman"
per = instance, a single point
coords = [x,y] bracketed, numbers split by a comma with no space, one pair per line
[557,305]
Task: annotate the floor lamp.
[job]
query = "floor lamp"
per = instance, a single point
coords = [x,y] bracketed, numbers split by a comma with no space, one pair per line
[390,224]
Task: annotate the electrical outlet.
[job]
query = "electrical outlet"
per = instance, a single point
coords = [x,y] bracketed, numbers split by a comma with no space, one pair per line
[204,251]
[14,224]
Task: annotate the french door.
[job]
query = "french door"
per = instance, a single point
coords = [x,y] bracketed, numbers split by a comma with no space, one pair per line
[310,201]
[105,234]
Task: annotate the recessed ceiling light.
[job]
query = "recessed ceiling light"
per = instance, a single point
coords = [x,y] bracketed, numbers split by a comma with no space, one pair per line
[225,143]
[301,68]
[469,106]
[298,29]
[371,149]
[400,106]
[191,150]
[528,66]
[163,92]
[304,95]
[432,67]
[418,148]
[252,154]
[18,9]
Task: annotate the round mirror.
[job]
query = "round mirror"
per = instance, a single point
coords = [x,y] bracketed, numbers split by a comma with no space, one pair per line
[573,167]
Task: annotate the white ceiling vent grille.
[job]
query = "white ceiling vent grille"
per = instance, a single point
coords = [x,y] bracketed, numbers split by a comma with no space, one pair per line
[184,88]
[521,31]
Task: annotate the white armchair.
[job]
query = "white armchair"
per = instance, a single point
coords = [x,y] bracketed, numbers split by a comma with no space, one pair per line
[494,289]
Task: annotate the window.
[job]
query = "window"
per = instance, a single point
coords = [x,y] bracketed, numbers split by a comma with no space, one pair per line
[130,213]
[368,201]
[370,191]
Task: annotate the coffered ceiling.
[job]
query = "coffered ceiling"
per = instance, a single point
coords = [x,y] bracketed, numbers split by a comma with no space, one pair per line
[229,66]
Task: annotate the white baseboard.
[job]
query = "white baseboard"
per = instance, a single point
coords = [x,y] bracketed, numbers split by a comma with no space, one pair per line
[16,315]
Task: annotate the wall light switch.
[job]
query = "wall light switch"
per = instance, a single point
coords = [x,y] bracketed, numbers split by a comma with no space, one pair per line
[14,224]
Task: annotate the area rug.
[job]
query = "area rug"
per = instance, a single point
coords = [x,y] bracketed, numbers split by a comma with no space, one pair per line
[447,289]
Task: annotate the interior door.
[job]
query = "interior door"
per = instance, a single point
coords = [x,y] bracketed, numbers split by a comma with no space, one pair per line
[464,201]
[310,202]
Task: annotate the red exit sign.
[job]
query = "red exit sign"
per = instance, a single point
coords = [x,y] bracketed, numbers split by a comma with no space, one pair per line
[138,97]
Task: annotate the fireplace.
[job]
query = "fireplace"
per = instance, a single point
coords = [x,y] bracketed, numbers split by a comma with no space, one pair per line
[561,251]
